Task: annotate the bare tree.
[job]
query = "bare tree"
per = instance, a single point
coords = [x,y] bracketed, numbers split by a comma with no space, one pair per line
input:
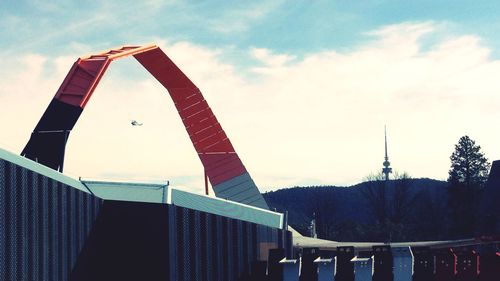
[390,203]
[323,211]
[402,198]
[375,195]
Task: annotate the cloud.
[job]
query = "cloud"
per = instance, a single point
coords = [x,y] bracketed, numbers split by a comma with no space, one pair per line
[240,17]
[47,25]
[317,119]
[270,60]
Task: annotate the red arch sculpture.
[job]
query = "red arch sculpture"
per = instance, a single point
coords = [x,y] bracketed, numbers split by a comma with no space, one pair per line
[223,167]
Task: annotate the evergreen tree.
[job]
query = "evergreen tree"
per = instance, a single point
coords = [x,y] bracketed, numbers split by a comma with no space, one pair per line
[467,176]
[469,166]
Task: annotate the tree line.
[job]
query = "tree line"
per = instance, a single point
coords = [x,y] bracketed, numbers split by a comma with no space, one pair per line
[400,209]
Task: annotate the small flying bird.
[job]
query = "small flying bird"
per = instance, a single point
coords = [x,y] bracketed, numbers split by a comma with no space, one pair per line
[135,123]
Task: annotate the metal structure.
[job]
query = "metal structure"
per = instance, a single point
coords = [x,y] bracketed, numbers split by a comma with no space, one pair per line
[382,263]
[490,209]
[227,174]
[326,268]
[446,265]
[290,269]
[363,266]
[308,269]
[403,263]
[423,264]
[490,264]
[274,267]
[54,227]
[44,222]
[345,268]
[467,264]
[387,165]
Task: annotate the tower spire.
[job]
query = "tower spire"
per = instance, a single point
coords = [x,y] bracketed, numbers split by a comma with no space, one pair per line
[387,165]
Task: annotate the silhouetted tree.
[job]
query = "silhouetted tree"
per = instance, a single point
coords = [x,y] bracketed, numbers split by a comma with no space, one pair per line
[467,176]
[469,166]
[391,204]
[323,210]
[375,195]
[429,218]
[401,198]
[413,209]
[401,207]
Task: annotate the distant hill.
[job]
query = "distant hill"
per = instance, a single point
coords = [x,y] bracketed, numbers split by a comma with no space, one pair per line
[413,210]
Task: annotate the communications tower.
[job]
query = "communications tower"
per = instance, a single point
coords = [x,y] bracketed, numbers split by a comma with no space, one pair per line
[387,165]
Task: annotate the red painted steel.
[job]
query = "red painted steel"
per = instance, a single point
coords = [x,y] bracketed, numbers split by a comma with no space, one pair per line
[81,81]
[209,139]
[218,164]
[205,132]
[87,71]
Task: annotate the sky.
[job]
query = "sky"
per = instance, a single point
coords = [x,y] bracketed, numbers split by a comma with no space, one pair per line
[302,88]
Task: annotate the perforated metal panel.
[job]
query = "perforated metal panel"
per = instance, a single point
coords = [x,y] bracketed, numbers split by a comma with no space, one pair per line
[232,246]
[52,231]
[43,226]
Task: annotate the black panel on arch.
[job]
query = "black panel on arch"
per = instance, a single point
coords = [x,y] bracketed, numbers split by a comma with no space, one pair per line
[48,140]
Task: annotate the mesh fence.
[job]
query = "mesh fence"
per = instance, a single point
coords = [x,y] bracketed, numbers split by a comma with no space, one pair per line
[45,226]
[218,248]
[42,226]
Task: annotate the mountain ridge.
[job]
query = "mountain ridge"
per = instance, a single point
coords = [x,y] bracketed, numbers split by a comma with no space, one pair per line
[351,213]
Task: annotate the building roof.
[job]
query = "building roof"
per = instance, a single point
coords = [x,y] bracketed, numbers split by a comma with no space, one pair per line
[308,242]
[154,193]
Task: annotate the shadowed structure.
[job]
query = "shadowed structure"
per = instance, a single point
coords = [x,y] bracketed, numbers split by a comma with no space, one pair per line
[489,208]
